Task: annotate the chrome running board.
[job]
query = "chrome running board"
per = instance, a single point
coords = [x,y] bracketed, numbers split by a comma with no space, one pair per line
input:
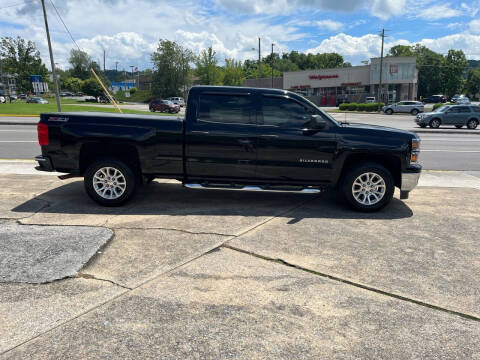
[308,190]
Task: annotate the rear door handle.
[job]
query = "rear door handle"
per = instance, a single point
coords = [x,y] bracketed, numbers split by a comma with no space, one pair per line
[244,141]
[200,132]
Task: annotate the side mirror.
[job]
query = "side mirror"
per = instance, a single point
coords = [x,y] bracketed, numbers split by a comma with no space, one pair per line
[317,123]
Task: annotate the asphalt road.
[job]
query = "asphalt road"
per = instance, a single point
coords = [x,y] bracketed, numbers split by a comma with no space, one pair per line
[439,151]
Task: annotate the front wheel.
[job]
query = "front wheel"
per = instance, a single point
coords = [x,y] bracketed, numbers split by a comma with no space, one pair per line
[368,187]
[435,123]
[389,111]
[414,112]
[110,182]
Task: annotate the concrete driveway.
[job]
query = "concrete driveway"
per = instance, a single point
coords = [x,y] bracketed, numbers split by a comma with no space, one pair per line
[220,274]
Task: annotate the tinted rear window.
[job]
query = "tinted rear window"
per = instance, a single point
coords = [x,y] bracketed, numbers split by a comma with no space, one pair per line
[231,109]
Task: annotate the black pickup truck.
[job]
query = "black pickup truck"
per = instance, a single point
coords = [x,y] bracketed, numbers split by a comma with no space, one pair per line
[234,138]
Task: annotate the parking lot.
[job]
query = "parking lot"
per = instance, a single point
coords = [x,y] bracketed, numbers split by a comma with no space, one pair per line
[179,273]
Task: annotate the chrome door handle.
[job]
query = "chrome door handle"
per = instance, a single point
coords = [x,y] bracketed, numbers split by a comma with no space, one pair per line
[200,132]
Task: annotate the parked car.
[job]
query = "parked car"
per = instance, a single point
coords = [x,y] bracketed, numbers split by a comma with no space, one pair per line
[2,99]
[36,100]
[236,138]
[177,101]
[457,115]
[455,97]
[435,99]
[13,97]
[370,99]
[163,106]
[462,101]
[412,107]
[22,96]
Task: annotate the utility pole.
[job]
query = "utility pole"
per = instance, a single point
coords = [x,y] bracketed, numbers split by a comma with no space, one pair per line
[116,66]
[57,95]
[381,70]
[132,66]
[103,60]
[272,64]
[259,61]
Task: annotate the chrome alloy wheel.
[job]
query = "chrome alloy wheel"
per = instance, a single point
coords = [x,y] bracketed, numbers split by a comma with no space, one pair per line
[369,188]
[109,183]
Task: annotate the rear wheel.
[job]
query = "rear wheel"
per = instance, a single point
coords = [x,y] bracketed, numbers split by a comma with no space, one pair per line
[435,123]
[389,111]
[414,112]
[110,182]
[368,187]
[472,124]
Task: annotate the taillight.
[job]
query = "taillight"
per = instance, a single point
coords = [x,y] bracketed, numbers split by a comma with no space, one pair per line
[42,130]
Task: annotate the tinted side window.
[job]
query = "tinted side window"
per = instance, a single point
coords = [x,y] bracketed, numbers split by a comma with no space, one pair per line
[476,108]
[464,109]
[231,109]
[284,112]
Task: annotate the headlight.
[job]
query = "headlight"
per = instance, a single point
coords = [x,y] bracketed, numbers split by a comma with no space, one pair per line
[415,150]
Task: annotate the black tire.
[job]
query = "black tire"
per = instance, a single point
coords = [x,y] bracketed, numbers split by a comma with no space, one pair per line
[389,111]
[435,123]
[458,126]
[472,124]
[347,187]
[414,112]
[423,126]
[129,179]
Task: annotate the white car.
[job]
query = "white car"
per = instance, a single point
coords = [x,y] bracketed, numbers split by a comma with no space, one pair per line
[412,107]
[2,100]
[177,101]
[370,99]
[462,101]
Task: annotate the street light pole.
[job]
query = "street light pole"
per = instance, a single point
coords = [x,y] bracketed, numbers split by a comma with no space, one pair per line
[57,95]
[381,70]
[272,64]
[259,61]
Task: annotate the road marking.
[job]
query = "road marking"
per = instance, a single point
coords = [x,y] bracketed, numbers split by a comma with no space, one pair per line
[18,130]
[451,151]
[15,141]
[452,140]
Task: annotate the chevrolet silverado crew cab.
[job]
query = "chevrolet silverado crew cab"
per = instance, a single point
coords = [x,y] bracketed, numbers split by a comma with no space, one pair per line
[234,138]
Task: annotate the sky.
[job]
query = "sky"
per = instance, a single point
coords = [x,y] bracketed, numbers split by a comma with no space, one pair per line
[129,30]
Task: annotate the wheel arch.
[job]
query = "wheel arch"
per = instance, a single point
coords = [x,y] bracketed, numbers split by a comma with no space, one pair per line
[94,151]
[391,163]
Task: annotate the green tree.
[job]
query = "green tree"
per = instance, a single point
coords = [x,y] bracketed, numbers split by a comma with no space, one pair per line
[207,69]
[92,87]
[453,70]
[233,73]
[21,57]
[171,70]
[73,84]
[401,50]
[472,85]
[81,63]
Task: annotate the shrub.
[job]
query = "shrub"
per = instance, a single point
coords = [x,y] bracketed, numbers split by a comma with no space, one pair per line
[437,105]
[373,106]
[362,107]
[133,90]
[343,106]
[352,106]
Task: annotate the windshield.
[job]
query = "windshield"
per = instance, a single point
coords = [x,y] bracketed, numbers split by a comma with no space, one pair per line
[442,109]
[322,113]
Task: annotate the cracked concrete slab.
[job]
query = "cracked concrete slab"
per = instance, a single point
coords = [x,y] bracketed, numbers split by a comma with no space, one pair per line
[428,250]
[167,205]
[232,305]
[136,255]
[39,254]
[29,310]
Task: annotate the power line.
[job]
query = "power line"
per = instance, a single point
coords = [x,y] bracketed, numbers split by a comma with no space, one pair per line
[66,28]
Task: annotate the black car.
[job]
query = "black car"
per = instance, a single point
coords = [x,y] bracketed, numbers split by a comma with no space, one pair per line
[234,138]
[434,99]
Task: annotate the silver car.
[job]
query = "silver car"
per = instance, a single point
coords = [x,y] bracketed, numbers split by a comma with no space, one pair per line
[412,107]
[456,115]
[177,101]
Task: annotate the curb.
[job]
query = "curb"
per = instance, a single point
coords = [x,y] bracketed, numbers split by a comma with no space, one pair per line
[18,123]
[18,115]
